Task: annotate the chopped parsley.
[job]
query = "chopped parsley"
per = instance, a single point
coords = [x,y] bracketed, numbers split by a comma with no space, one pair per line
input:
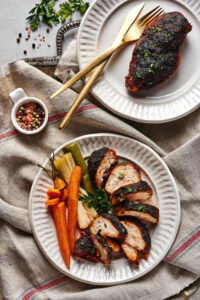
[128,189]
[105,225]
[142,208]
[146,55]
[121,176]
[123,229]
[122,163]
[156,29]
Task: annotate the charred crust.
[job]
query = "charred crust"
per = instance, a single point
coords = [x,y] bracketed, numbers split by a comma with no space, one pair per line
[132,188]
[137,206]
[95,160]
[116,223]
[84,248]
[104,245]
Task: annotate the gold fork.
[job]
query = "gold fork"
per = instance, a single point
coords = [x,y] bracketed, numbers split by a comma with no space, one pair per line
[133,34]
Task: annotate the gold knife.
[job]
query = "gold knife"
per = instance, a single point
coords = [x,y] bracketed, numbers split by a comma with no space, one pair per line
[129,20]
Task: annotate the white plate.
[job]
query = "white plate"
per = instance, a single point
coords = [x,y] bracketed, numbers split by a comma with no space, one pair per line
[169,101]
[164,233]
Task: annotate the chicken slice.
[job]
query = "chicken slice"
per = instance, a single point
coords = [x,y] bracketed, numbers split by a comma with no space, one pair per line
[114,245]
[138,236]
[100,165]
[139,191]
[144,212]
[122,175]
[108,225]
[104,251]
[131,253]
[84,248]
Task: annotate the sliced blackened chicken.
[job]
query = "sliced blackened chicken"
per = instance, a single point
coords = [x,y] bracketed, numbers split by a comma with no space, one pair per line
[102,248]
[131,253]
[122,175]
[138,236]
[144,212]
[100,165]
[139,191]
[84,248]
[114,245]
[108,226]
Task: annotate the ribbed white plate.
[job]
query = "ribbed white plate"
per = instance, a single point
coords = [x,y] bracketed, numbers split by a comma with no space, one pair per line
[169,101]
[163,236]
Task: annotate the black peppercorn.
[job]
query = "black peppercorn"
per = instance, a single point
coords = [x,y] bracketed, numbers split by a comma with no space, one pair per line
[33,46]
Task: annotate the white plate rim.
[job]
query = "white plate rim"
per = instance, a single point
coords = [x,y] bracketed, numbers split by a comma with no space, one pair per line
[97,86]
[105,283]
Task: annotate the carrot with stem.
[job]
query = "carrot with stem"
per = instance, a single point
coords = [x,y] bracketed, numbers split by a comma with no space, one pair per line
[73,189]
[59,216]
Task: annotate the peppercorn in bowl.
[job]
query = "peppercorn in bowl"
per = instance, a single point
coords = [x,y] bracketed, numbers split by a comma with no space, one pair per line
[29,115]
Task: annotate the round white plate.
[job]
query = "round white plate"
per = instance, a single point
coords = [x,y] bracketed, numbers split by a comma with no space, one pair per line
[120,270]
[170,100]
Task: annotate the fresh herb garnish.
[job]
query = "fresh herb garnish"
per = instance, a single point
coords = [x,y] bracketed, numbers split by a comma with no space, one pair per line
[123,229]
[156,29]
[99,201]
[121,176]
[45,11]
[105,225]
[53,173]
[129,190]
[142,208]
[122,163]
[146,55]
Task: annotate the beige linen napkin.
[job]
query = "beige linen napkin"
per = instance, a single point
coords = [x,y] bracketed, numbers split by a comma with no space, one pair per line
[24,271]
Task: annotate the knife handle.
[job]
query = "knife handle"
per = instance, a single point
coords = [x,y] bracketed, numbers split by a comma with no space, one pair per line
[82,95]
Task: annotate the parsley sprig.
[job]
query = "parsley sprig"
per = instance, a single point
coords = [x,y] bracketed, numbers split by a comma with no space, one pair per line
[99,201]
[45,11]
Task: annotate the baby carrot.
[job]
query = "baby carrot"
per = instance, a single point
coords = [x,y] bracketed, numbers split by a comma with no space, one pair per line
[52,201]
[53,193]
[73,188]
[59,183]
[59,217]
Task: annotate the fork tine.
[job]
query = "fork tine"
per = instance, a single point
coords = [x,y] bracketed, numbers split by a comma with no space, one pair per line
[147,14]
[155,16]
[152,16]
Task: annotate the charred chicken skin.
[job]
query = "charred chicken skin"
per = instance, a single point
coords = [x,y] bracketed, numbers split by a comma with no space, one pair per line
[139,191]
[108,226]
[100,165]
[122,175]
[144,212]
[157,53]
[84,248]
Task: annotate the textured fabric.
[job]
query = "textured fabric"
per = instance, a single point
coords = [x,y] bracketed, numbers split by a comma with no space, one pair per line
[24,271]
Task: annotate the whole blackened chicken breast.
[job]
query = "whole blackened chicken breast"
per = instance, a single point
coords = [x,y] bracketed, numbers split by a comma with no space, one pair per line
[157,53]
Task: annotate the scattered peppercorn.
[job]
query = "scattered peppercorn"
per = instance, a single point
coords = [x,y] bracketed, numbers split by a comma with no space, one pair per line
[20,35]
[25,52]
[33,46]
[18,40]
[47,30]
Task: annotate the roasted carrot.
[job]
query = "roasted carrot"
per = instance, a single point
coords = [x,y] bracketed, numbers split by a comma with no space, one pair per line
[73,188]
[59,183]
[64,194]
[53,193]
[52,201]
[59,217]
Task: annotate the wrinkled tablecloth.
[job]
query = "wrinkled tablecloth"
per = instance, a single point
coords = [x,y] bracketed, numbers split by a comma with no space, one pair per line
[24,271]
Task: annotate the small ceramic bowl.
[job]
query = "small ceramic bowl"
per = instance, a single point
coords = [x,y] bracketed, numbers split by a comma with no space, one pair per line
[19,98]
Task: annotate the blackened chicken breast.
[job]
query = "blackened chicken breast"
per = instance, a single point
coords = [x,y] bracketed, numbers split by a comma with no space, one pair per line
[144,212]
[121,175]
[139,191]
[108,226]
[84,248]
[100,165]
[157,54]
[102,249]
[138,236]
